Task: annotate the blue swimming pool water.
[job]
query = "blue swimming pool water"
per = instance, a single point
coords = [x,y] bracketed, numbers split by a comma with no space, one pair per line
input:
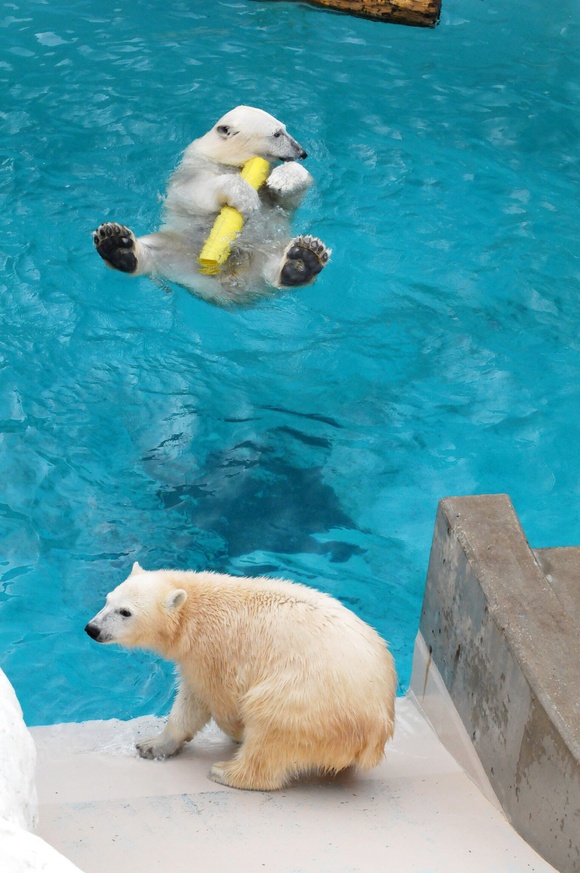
[312,436]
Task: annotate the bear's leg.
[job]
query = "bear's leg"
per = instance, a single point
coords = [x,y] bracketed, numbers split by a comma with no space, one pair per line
[234,728]
[302,261]
[188,715]
[162,253]
[261,764]
[116,244]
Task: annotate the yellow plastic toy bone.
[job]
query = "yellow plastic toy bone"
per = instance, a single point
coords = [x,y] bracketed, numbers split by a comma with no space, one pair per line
[229,222]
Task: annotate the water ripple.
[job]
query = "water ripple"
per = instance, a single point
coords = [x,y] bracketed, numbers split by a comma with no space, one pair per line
[313,435]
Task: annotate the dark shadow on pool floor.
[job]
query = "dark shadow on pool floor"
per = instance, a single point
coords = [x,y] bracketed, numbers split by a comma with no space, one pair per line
[257,500]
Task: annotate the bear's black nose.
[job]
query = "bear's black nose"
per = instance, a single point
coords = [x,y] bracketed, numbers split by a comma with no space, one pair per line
[93,631]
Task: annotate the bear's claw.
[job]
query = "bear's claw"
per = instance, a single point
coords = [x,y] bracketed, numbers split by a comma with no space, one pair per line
[116,245]
[145,750]
[158,748]
[303,260]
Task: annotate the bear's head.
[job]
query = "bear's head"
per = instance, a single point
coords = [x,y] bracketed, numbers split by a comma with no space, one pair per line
[142,612]
[246,132]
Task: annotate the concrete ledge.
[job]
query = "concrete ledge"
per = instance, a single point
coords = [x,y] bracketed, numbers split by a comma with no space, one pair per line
[109,810]
[504,637]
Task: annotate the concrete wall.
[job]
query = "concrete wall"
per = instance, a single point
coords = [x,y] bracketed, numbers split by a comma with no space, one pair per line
[505,641]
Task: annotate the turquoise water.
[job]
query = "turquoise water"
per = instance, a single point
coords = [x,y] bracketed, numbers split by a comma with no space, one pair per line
[311,436]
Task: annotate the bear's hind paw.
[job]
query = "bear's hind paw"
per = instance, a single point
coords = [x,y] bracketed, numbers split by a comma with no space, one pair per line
[303,260]
[116,245]
[217,773]
[248,777]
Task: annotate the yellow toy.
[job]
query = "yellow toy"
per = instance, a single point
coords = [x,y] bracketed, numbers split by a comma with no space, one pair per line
[229,222]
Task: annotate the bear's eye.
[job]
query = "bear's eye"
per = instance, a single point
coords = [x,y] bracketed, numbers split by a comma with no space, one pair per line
[223,130]
[277,134]
[126,613]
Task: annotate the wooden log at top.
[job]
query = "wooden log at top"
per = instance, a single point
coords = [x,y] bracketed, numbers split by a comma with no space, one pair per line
[416,13]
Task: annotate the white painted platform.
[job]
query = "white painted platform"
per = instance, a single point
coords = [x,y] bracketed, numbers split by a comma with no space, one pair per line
[107,810]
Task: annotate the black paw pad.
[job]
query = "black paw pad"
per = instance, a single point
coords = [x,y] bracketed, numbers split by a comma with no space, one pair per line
[115,243]
[305,258]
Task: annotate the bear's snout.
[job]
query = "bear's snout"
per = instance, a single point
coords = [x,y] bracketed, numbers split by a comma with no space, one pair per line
[300,156]
[93,631]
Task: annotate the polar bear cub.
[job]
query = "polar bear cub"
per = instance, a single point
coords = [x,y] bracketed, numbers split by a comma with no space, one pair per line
[263,256]
[290,673]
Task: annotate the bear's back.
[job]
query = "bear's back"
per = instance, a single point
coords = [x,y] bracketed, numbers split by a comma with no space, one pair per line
[274,621]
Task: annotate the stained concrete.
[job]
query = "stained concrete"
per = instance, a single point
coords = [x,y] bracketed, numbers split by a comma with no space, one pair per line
[501,623]
[561,568]
[106,809]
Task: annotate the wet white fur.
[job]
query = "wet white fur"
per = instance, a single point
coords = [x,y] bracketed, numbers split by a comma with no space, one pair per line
[289,672]
[208,178]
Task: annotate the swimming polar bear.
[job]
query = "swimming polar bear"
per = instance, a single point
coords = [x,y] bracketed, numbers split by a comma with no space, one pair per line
[264,256]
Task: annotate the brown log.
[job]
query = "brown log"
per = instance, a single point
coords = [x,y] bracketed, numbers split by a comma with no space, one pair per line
[417,13]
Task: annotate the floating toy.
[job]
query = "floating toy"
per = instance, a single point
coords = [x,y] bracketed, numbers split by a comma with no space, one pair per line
[228,224]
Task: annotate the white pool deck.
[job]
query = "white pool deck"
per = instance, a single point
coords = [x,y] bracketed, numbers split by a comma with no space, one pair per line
[105,809]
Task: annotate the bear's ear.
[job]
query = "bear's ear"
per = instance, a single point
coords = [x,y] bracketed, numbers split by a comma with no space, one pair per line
[175,599]
[136,568]
[225,131]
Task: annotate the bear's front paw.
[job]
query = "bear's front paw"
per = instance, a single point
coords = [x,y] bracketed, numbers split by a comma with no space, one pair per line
[246,200]
[290,178]
[157,748]
[116,245]
[236,192]
[303,260]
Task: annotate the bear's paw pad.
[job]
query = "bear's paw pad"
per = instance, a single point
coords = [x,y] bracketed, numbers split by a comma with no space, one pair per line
[115,243]
[304,258]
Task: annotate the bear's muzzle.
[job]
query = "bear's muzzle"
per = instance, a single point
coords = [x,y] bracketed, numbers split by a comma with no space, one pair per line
[94,632]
